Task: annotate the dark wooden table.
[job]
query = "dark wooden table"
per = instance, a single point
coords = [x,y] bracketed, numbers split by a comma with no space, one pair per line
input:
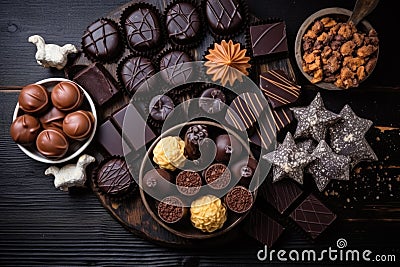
[40,225]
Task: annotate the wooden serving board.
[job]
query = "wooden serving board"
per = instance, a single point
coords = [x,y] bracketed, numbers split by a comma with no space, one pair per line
[131,212]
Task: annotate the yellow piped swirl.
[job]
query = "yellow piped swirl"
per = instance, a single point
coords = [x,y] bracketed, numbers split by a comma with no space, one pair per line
[208,213]
[168,153]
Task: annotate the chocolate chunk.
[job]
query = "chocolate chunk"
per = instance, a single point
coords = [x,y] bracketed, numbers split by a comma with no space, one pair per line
[313,216]
[240,114]
[278,88]
[24,129]
[264,134]
[348,137]
[188,182]
[98,82]
[217,176]
[134,72]
[110,139]
[288,160]
[113,177]
[283,116]
[212,100]
[34,98]
[172,68]
[102,41]
[183,23]
[142,29]
[282,195]
[224,16]
[52,143]
[328,165]
[263,228]
[136,132]
[239,199]
[268,39]
[314,120]
[160,107]
[194,138]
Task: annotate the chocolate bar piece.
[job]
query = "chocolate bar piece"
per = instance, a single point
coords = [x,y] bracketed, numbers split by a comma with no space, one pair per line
[313,216]
[110,139]
[263,228]
[135,129]
[282,195]
[268,39]
[98,82]
[283,116]
[278,88]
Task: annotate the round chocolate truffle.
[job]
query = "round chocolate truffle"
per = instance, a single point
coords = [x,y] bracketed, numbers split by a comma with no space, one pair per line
[212,100]
[52,143]
[188,182]
[134,72]
[33,98]
[172,68]
[228,148]
[78,125]
[142,29]
[157,181]
[113,177]
[52,118]
[239,199]
[243,170]
[217,176]
[183,23]
[194,137]
[171,209]
[160,107]
[224,16]
[24,129]
[66,96]
[102,41]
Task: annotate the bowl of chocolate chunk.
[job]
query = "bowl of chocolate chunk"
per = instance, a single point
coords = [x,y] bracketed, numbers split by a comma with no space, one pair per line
[192,179]
[333,52]
[54,120]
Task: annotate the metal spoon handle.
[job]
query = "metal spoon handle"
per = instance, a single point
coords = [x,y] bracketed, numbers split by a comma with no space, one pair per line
[361,9]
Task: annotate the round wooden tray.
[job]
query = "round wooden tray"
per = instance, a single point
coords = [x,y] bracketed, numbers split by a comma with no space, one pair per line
[131,212]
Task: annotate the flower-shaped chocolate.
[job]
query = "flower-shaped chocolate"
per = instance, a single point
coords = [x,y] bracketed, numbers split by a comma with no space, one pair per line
[224,60]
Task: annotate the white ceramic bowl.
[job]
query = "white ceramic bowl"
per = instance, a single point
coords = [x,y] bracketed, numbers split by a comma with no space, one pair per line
[33,153]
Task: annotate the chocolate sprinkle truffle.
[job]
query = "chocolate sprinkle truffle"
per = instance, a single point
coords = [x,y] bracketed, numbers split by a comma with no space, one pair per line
[183,23]
[52,143]
[288,160]
[224,16]
[188,182]
[33,98]
[173,71]
[135,71]
[113,177]
[328,165]
[217,176]
[239,199]
[194,137]
[348,137]
[212,100]
[160,107]
[102,41]
[142,29]
[66,96]
[24,129]
[314,120]
[171,209]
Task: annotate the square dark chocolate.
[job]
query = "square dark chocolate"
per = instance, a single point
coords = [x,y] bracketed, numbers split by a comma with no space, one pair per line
[268,39]
[313,216]
[98,82]
[263,228]
[110,139]
[281,195]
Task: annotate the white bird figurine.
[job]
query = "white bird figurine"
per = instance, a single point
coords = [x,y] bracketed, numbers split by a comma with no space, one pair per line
[71,174]
[51,55]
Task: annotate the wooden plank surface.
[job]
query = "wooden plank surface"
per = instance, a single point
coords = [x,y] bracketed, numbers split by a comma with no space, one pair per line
[40,225]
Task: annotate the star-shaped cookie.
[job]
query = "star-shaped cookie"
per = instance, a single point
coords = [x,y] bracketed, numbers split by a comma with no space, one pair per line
[288,160]
[347,137]
[313,120]
[328,165]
